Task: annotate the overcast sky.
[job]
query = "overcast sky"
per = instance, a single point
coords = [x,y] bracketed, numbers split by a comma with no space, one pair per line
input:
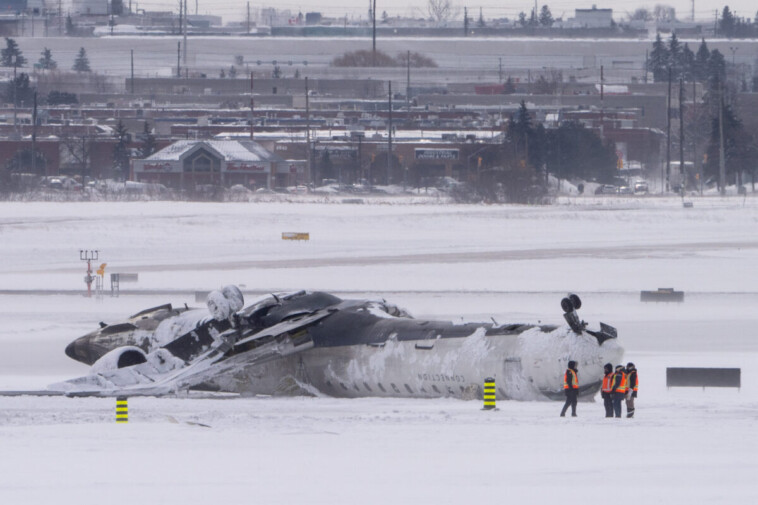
[235,9]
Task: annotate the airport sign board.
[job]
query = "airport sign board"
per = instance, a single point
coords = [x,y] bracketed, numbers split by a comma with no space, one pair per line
[437,154]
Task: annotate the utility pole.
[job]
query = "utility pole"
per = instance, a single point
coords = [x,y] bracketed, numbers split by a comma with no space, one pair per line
[179,60]
[248,17]
[373,36]
[682,172]
[722,156]
[15,91]
[408,88]
[34,137]
[185,33]
[308,167]
[132,65]
[647,64]
[252,106]
[465,21]
[668,136]
[694,137]
[500,70]
[602,103]
[389,136]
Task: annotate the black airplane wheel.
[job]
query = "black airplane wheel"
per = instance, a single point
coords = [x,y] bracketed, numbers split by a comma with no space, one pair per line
[575,301]
[566,305]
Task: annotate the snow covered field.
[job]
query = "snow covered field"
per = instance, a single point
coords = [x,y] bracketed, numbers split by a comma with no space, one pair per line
[510,262]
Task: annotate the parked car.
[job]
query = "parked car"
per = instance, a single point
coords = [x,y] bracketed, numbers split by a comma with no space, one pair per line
[606,189]
[625,190]
[640,187]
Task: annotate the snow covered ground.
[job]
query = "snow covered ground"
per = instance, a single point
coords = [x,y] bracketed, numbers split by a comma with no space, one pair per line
[510,262]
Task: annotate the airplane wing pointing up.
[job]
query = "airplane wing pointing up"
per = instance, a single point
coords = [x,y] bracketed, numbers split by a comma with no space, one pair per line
[165,374]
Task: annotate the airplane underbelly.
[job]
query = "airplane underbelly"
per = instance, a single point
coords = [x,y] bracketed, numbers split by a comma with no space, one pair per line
[528,366]
[453,367]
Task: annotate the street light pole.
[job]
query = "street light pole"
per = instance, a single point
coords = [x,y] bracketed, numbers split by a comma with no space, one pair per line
[15,91]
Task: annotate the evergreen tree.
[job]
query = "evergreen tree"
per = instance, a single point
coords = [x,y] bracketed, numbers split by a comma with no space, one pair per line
[538,149]
[81,64]
[117,7]
[739,147]
[46,62]
[148,142]
[700,67]
[232,72]
[523,120]
[574,151]
[522,19]
[728,23]
[546,17]
[480,23]
[509,88]
[519,131]
[688,63]
[11,56]
[121,154]
[716,71]
[71,29]
[675,57]
[659,60]
[19,91]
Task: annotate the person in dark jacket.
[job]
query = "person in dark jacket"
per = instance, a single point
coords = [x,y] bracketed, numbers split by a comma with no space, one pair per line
[618,389]
[631,388]
[606,389]
[571,388]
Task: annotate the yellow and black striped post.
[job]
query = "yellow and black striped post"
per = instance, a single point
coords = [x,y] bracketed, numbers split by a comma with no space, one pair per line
[489,393]
[122,410]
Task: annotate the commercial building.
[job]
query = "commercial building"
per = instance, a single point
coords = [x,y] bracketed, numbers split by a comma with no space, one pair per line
[187,164]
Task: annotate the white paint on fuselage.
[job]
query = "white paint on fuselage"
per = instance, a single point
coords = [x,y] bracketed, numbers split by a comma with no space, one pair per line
[526,366]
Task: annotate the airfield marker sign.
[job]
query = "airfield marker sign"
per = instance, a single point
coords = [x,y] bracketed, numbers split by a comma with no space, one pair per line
[289,235]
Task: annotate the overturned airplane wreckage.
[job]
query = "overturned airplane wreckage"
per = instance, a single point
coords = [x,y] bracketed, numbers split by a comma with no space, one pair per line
[314,342]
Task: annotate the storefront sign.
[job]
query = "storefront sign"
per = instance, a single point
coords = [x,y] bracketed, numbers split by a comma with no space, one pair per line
[437,154]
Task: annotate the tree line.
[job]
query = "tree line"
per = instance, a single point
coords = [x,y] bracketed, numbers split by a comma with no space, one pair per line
[518,169]
[672,61]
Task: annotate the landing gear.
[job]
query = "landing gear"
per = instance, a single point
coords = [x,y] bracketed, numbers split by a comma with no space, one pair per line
[570,304]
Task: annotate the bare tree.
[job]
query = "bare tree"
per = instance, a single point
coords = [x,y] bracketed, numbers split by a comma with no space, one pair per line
[441,11]
[76,151]
[664,13]
[641,14]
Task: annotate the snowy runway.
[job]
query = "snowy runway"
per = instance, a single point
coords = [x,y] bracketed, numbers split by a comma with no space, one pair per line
[513,263]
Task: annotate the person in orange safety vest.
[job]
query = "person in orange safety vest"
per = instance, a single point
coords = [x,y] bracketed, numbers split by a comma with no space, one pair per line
[632,384]
[605,390]
[618,389]
[570,388]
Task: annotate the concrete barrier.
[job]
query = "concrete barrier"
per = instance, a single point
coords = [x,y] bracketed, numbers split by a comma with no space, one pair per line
[703,377]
